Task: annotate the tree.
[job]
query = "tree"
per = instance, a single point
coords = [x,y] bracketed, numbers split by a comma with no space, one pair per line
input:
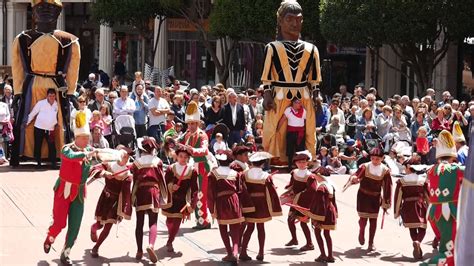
[419,32]
[234,21]
[137,13]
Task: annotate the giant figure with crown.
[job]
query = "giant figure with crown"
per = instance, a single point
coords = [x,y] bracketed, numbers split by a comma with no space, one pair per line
[43,58]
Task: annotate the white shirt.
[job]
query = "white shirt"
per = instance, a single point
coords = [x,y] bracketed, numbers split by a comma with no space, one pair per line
[293,120]
[74,113]
[122,107]
[158,105]
[233,108]
[46,115]
[219,146]
[4,112]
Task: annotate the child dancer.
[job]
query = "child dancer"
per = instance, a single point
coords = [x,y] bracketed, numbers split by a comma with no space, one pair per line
[114,202]
[181,178]
[149,194]
[241,156]
[301,180]
[224,204]
[265,199]
[324,216]
[411,203]
[374,178]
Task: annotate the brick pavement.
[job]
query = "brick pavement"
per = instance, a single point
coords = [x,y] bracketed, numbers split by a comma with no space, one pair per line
[25,213]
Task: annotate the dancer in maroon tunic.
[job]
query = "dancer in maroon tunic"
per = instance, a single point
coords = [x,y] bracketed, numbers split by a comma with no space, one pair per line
[114,202]
[301,180]
[224,205]
[265,199]
[181,178]
[374,178]
[149,194]
[411,202]
[241,156]
[324,215]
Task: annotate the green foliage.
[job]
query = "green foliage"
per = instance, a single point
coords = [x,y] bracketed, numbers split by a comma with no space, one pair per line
[137,13]
[256,19]
[377,22]
[418,31]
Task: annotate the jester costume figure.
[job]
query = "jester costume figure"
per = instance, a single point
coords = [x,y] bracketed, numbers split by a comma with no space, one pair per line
[70,189]
[196,142]
[43,58]
[291,70]
[444,186]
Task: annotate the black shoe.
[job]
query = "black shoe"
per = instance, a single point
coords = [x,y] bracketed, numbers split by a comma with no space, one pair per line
[65,260]
[202,226]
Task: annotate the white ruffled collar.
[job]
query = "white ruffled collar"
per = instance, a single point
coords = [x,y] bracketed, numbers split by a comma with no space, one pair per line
[257,174]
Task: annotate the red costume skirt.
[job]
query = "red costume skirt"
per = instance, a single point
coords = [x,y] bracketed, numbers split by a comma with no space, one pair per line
[228,210]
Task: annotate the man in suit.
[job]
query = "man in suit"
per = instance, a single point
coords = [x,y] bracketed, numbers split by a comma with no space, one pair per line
[234,119]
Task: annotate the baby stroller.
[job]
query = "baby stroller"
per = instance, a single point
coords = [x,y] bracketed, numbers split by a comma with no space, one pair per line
[219,128]
[124,132]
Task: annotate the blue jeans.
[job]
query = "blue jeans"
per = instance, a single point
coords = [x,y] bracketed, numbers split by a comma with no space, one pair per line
[156,131]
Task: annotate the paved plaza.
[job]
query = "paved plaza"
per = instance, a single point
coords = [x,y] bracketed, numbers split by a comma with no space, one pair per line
[26,198]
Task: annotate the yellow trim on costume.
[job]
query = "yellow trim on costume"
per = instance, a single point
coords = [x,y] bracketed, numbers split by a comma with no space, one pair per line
[270,205]
[231,221]
[415,225]
[328,227]
[368,215]
[248,210]
[398,203]
[147,207]
[172,215]
[257,220]
[176,174]
[374,177]
[108,221]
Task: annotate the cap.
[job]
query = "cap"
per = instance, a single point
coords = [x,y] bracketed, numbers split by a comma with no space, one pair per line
[350,142]
[147,144]
[81,127]
[192,113]
[260,156]
[446,146]
[302,155]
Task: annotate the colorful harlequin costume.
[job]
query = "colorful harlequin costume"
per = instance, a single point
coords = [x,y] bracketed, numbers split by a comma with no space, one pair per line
[182,194]
[199,142]
[444,187]
[375,191]
[70,192]
[291,70]
[41,61]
